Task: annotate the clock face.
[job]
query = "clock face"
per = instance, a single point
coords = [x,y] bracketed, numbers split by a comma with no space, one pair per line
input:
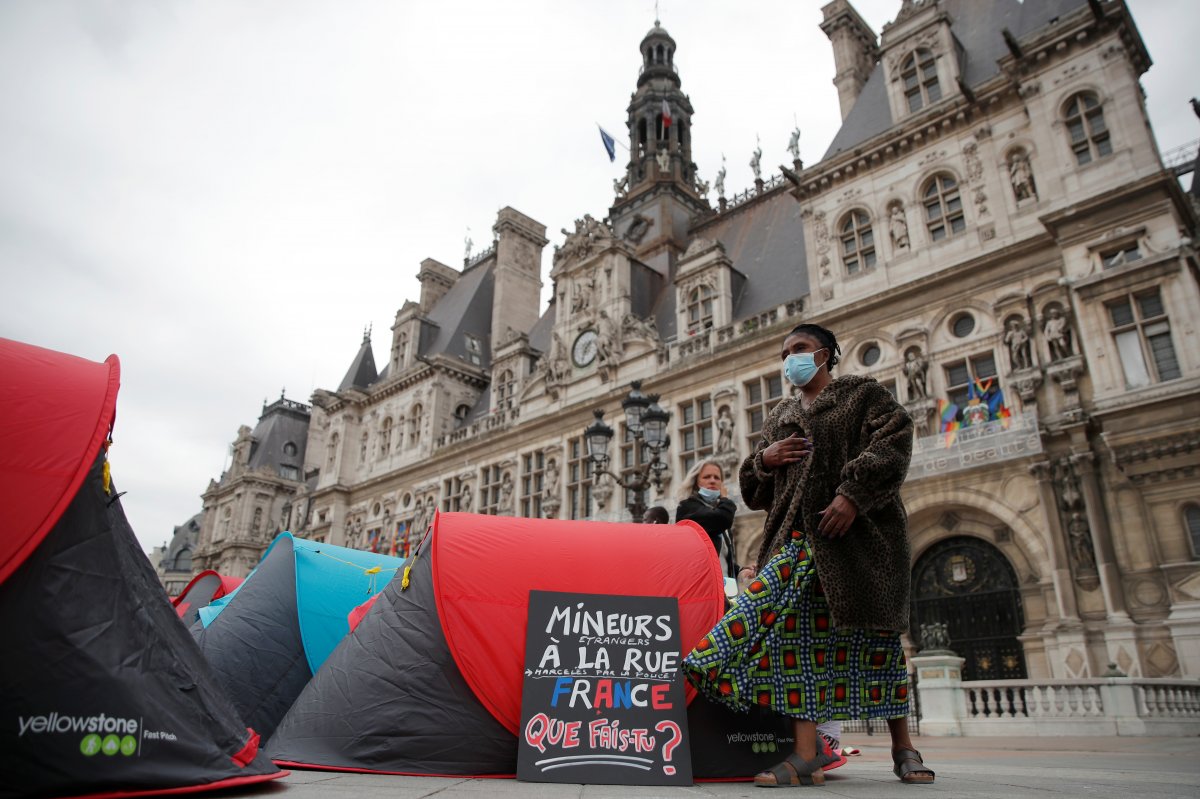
[584,350]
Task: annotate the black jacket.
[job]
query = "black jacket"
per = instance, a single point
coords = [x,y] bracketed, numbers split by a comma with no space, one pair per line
[716,520]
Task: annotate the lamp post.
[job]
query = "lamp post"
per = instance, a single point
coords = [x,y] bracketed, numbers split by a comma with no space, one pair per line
[646,421]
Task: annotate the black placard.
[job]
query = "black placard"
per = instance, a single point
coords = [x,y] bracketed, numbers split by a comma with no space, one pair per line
[603,698]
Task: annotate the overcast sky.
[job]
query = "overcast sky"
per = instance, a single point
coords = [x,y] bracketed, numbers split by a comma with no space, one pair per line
[226,193]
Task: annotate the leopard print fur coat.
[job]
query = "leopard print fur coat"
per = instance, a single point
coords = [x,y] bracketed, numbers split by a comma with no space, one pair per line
[862,443]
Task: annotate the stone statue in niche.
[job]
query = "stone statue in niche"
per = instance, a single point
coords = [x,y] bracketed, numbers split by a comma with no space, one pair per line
[1081,544]
[1019,349]
[915,367]
[550,484]
[1021,175]
[719,183]
[1058,335]
[898,227]
[664,160]
[464,498]
[506,495]
[724,430]
[581,293]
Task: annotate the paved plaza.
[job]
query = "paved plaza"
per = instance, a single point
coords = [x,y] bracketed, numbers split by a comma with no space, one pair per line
[968,768]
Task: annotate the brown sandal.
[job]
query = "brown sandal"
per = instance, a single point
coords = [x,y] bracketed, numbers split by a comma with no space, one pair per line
[910,768]
[794,771]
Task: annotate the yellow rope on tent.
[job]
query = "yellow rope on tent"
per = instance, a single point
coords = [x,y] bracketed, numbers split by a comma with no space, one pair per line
[369,572]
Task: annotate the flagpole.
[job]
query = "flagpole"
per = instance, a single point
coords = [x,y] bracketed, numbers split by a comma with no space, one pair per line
[618,141]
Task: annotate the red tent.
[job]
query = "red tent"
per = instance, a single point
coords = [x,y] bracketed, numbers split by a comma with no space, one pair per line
[430,679]
[200,591]
[107,693]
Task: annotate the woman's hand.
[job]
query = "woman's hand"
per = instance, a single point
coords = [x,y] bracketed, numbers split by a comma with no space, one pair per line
[747,573]
[792,449]
[837,518]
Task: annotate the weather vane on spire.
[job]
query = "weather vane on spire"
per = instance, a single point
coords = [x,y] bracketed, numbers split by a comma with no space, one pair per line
[656,13]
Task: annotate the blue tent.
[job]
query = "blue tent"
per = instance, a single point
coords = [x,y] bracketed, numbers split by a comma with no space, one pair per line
[267,639]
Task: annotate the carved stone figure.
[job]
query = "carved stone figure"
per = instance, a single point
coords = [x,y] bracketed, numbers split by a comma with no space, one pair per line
[506,495]
[467,241]
[1082,552]
[633,327]
[1019,350]
[550,481]
[664,160]
[935,637]
[1058,335]
[915,366]
[701,186]
[581,293]
[724,430]
[464,498]
[1021,175]
[898,227]
[620,185]
[719,183]
[555,366]
[607,346]
[755,161]
[793,146]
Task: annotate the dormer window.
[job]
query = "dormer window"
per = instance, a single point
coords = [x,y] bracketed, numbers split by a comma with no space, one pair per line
[474,349]
[918,73]
[700,308]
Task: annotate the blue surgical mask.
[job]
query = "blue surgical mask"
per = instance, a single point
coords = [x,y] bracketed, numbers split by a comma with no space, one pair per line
[799,368]
[709,493]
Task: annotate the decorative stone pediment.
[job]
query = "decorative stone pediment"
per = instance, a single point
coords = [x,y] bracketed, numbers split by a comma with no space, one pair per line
[590,237]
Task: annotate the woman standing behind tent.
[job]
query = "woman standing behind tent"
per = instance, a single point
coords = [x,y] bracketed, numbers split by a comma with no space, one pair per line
[703,500]
[816,636]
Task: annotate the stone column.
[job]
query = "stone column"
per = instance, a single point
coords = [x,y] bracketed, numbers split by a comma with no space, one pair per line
[1110,577]
[939,686]
[1060,570]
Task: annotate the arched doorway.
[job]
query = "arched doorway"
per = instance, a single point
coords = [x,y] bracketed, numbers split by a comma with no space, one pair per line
[970,586]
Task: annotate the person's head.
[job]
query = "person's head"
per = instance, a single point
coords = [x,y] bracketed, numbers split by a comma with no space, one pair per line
[656,515]
[707,475]
[807,351]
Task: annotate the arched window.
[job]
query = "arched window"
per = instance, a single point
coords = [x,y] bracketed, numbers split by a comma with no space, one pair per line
[414,426]
[401,350]
[1084,117]
[385,437]
[919,75]
[700,308]
[460,414]
[943,208]
[858,242]
[183,561]
[1191,518]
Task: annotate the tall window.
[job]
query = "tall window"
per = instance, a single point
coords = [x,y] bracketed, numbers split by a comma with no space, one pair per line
[700,308]
[695,431]
[858,242]
[1143,336]
[401,352]
[1084,117]
[579,480]
[489,490]
[385,437]
[632,458]
[414,426]
[943,208]
[505,389]
[762,395]
[533,476]
[1191,518]
[919,74]
[452,495]
[962,374]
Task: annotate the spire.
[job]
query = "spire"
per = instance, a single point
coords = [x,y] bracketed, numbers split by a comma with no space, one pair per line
[362,372]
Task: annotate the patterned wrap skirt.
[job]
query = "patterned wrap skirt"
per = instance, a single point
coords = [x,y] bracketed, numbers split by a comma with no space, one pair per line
[777,648]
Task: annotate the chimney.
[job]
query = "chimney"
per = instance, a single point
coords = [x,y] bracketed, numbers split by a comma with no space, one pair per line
[855,51]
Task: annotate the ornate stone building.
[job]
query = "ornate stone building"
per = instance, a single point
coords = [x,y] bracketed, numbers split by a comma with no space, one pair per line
[993,210]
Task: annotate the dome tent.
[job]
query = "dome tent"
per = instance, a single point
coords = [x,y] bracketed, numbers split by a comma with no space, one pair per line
[294,608]
[102,690]
[201,590]
[430,680]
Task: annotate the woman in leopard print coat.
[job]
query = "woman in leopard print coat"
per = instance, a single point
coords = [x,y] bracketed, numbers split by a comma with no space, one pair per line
[816,635]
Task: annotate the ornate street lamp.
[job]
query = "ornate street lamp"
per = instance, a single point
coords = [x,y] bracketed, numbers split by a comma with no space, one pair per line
[647,422]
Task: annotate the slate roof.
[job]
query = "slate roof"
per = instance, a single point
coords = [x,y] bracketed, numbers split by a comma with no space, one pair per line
[362,372]
[185,537]
[281,423]
[465,309]
[977,26]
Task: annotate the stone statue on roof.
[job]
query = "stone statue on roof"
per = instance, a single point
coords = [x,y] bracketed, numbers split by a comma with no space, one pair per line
[756,160]
[719,183]
[794,144]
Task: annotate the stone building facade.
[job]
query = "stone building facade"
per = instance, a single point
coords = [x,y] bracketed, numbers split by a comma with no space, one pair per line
[993,211]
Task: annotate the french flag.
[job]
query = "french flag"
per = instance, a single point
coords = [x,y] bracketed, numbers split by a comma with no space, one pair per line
[666,114]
